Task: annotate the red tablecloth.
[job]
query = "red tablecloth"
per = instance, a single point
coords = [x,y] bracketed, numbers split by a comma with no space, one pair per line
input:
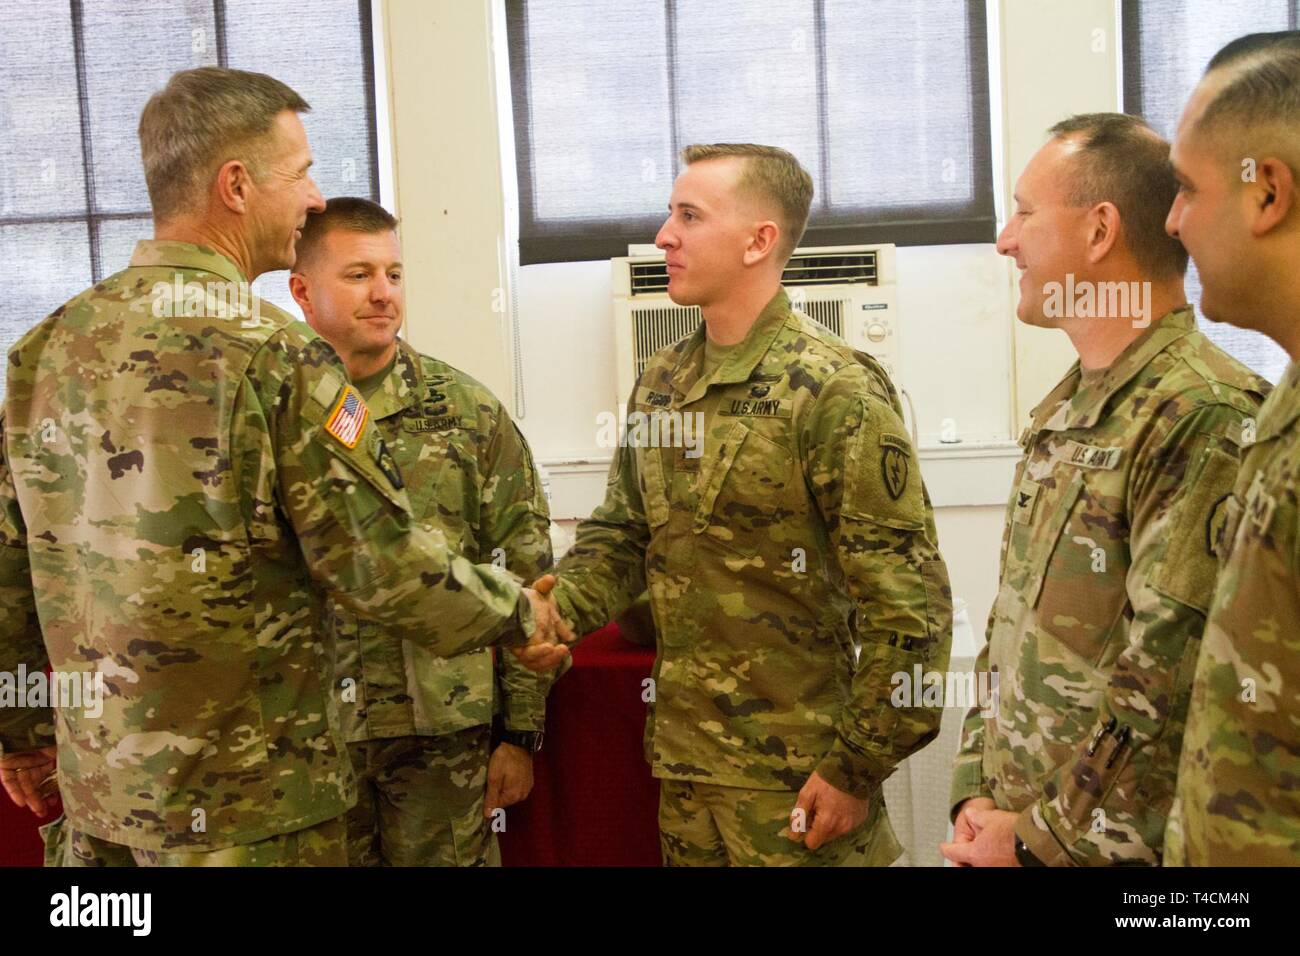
[20,844]
[594,802]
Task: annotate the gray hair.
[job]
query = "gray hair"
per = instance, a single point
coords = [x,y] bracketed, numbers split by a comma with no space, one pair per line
[200,120]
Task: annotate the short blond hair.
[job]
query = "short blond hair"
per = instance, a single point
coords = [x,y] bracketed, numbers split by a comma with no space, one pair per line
[201,119]
[771,174]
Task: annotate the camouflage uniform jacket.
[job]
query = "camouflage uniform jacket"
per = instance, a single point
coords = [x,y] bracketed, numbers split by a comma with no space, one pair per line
[1238,801]
[802,530]
[468,472]
[179,485]
[1106,575]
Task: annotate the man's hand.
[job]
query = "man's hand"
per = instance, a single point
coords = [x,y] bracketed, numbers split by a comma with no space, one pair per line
[993,840]
[28,776]
[963,831]
[510,777]
[546,648]
[825,813]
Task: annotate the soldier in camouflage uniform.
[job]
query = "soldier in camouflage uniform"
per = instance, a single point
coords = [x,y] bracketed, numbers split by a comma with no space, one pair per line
[786,531]
[418,726]
[185,473]
[1238,795]
[1106,564]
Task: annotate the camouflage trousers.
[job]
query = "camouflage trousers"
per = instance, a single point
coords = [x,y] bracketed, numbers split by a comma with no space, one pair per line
[319,845]
[420,801]
[706,825]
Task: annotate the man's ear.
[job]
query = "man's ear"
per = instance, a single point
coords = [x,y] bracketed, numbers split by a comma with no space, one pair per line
[300,291]
[1103,231]
[233,185]
[762,242]
[1270,196]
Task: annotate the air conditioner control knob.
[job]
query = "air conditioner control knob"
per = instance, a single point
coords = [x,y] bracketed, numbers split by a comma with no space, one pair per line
[877,332]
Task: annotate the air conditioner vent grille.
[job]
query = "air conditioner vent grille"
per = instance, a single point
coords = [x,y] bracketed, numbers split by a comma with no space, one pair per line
[649,277]
[803,269]
[829,314]
[655,329]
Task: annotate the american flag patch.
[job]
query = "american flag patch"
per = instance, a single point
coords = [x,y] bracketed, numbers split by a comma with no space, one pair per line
[349,418]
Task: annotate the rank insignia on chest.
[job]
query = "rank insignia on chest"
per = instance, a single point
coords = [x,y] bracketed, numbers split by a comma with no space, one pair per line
[1260,505]
[348,419]
[1026,497]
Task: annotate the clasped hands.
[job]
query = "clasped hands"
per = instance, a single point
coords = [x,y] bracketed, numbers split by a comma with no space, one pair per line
[983,835]
[547,646]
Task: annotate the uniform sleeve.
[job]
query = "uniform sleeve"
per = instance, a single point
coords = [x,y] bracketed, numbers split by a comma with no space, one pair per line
[863,471]
[968,780]
[340,491]
[515,523]
[604,571]
[1108,803]
[21,728]
[968,769]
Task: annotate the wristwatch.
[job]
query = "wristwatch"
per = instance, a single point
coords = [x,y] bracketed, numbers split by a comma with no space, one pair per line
[530,740]
[1023,856]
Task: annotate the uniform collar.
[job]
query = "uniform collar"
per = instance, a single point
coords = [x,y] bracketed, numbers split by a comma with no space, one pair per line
[185,255]
[687,377]
[1282,406]
[1072,404]
[402,388]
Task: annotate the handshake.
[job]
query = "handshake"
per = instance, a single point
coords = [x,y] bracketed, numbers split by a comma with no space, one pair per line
[547,646]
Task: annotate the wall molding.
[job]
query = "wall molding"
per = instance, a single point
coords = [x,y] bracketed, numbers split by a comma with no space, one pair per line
[957,476]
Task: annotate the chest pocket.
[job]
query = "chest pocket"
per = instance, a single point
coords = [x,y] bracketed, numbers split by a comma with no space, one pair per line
[1075,565]
[654,489]
[742,486]
[438,461]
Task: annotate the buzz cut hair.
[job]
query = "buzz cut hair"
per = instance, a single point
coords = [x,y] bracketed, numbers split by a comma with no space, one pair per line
[770,174]
[1261,91]
[1122,160]
[200,120]
[352,213]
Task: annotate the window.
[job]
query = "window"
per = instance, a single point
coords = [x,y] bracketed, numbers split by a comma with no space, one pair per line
[1167,44]
[76,76]
[884,103]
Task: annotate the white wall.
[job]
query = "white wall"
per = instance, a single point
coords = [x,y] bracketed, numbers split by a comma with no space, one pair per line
[964,358]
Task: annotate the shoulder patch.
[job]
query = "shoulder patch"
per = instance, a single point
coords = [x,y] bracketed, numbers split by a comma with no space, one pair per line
[893,464]
[348,419]
[1216,526]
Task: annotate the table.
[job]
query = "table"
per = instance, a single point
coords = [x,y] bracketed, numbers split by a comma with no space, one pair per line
[594,802]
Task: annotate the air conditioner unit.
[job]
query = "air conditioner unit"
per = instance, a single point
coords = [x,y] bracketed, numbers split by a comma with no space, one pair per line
[848,289]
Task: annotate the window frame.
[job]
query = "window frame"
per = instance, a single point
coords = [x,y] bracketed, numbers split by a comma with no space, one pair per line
[92,217]
[579,240]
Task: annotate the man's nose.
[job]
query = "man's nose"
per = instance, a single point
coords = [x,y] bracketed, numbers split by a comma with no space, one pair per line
[1175,213]
[315,201]
[381,288]
[665,239]
[1007,239]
